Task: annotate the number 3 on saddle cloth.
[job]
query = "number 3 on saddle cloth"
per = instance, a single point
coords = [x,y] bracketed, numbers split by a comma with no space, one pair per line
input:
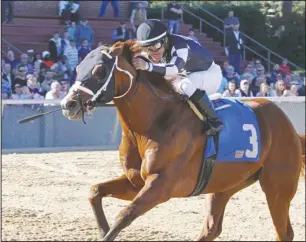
[239,139]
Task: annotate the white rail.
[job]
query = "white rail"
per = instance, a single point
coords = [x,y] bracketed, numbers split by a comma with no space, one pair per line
[32,101]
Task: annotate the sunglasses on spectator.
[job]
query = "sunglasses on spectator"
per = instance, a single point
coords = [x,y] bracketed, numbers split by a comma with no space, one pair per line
[21,70]
[261,70]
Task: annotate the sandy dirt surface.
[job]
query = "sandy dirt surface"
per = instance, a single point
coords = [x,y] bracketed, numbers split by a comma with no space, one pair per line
[45,197]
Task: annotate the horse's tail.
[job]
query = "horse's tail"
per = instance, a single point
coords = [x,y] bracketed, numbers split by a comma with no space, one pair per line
[302,138]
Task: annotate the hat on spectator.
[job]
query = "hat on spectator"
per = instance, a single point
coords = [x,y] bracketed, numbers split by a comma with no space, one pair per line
[30,51]
[244,81]
[45,53]
[230,68]
[17,85]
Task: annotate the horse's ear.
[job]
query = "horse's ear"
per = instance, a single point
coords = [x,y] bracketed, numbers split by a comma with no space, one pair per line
[117,48]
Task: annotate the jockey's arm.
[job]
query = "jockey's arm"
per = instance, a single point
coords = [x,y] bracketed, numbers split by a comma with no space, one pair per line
[176,64]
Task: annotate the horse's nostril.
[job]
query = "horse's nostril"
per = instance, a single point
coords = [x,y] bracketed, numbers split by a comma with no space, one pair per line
[71,104]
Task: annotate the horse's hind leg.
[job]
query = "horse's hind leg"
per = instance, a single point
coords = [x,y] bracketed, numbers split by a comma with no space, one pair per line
[280,184]
[119,188]
[215,206]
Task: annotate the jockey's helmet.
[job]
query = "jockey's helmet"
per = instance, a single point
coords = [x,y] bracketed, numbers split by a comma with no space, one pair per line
[151,32]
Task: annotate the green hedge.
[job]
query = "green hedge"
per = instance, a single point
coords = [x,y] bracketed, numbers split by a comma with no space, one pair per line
[288,42]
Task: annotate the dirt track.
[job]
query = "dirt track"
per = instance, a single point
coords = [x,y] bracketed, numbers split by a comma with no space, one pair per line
[44,197]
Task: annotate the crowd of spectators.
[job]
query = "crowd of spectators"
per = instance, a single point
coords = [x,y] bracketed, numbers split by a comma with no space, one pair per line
[256,82]
[48,75]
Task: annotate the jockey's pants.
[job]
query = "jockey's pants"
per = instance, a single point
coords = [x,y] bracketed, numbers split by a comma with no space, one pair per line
[209,80]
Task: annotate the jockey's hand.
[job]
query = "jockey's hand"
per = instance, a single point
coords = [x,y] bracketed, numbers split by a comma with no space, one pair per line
[140,64]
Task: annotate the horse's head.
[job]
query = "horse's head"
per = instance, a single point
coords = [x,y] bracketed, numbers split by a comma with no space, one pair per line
[95,81]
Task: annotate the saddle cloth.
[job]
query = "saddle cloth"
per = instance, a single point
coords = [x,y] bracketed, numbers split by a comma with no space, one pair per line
[239,139]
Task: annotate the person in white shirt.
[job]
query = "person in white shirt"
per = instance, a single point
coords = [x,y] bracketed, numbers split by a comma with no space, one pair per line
[72,55]
[55,93]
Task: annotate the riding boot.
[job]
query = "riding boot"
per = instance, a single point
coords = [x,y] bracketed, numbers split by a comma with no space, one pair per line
[204,105]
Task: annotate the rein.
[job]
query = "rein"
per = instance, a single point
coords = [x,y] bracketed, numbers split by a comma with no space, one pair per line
[77,87]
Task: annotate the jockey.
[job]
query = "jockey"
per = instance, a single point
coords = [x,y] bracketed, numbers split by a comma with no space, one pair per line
[173,55]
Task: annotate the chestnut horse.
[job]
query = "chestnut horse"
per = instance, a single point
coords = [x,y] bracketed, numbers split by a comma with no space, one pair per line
[161,150]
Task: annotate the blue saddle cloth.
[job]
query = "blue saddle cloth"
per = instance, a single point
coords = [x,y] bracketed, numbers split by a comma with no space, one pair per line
[239,139]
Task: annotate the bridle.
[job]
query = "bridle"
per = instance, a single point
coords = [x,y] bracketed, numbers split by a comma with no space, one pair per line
[77,87]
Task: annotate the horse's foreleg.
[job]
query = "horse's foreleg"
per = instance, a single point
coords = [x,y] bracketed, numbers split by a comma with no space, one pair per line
[154,192]
[120,188]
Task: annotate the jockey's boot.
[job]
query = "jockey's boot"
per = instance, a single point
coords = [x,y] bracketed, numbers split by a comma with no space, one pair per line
[204,105]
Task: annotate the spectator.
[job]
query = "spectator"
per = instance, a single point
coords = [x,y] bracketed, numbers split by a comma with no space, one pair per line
[120,33]
[47,62]
[191,35]
[224,85]
[230,75]
[261,73]
[10,58]
[294,90]
[6,74]
[20,77]
[55,46]
[65,87]
[248,77]
[2,63]
[69,10]
[7,12]
[72,55]
[31,56]
[174,14]
[17,91]
[115,5]
[24,61]
[234,47]
[276,70]
[288,80]
[280,88]
[138,16]
[65,42]
[37,57]
[6,88]
[32,84]
[230,21]
[71,31]
[55,93]
[230,92]
[244,90]
[26,94]
[46,83]
[84,32]
[302,89]
[284,68]
[83,50]
[296,79]
[225,66]
[59,68]
[256,82]
[248,72]
[265,91]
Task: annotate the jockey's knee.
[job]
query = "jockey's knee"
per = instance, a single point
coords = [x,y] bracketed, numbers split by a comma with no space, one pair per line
[187,88]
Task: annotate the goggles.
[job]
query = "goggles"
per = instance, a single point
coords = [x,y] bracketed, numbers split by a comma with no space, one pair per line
[155,47]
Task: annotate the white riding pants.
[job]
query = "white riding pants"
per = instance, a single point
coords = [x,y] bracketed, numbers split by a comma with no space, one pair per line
[209,80]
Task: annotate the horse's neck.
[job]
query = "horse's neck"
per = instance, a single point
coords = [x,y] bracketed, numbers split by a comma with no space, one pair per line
[140,110]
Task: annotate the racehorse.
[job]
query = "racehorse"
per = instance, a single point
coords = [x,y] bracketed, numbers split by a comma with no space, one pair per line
[161,150]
